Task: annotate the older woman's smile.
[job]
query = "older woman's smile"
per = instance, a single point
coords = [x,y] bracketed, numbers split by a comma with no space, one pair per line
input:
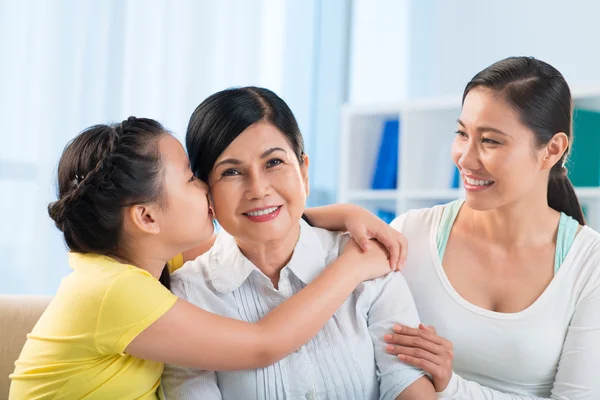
[263,214]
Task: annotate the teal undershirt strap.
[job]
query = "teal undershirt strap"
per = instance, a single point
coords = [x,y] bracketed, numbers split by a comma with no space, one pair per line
[567,230]
[448,217]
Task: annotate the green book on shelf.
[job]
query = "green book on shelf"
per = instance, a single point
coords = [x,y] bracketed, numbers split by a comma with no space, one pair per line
[584,161]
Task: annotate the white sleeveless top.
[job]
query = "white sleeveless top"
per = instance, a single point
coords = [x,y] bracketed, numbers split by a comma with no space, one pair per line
[550,350]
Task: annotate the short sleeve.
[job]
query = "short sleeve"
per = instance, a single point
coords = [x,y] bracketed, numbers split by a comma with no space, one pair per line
[132,303]
[393,305]
[175,263]
[398,222]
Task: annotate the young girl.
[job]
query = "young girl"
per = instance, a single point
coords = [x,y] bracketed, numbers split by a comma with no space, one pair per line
[128,202]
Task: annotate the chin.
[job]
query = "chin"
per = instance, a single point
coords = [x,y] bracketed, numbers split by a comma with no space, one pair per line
[268,232]
[481,204]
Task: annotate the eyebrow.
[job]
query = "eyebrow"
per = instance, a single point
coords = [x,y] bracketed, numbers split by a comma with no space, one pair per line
[486,129]
[235,161]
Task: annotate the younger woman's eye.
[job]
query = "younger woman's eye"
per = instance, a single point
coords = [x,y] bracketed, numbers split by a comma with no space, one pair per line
[274,162]
[461,133]
[192,179]
[489,141]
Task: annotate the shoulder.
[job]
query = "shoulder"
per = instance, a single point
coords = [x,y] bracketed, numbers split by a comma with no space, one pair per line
[98,275]
[587,259]
[418,220]
[331,242]
[195,273]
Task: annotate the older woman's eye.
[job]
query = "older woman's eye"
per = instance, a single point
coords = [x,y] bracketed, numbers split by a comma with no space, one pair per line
[230,172]
[274,162]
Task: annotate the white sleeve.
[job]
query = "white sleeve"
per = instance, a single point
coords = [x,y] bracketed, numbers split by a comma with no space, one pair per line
[398,222]
[181,383]
[462,389]
[578,376]
[392,305]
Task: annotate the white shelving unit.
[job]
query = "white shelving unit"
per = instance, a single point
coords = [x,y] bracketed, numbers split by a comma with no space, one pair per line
[425,169]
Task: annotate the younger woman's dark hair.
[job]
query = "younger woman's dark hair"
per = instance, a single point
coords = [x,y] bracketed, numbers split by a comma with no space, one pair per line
[101,171]
[223,116]
[541,97]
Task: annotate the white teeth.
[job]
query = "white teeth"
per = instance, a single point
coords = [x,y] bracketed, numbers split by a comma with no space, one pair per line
[262,212]
[477,182]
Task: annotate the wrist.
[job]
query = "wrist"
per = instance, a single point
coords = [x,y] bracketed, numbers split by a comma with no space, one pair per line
[450,390]
[348,213]
[350,268]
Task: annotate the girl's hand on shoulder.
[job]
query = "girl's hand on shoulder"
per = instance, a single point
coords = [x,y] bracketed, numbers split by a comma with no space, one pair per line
[369,264]
[364,226]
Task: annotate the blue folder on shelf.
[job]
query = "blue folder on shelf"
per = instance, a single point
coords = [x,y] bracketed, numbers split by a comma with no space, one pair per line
[386,167]
[385,176]
[455,179]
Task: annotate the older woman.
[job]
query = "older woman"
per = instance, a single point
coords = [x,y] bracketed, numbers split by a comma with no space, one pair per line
[246,144]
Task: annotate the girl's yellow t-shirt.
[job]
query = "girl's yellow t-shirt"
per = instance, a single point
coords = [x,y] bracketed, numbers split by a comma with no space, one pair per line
[76,350]
[176,263]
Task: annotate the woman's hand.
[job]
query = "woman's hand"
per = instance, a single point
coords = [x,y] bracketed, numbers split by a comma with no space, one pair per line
[364,226]
[370,264]
[424,349]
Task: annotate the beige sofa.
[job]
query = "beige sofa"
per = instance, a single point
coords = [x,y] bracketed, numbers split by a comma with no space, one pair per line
[18,315]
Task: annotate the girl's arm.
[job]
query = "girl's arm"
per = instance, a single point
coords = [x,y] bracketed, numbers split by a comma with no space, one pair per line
[360,223]
[189,336]
[362,226]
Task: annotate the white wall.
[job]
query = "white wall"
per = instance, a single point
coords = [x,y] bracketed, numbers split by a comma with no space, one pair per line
[379,51]
[451,40]
[70,64]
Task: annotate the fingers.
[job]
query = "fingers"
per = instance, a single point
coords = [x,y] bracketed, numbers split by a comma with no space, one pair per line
[397,342]
[423,334]
[426,365]
[414,352]
[428,328]
[363,241]
[424,349]
[393,246]
[403,248]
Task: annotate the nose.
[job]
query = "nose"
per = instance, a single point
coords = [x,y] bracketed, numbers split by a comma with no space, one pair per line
[469,155]
[258,185]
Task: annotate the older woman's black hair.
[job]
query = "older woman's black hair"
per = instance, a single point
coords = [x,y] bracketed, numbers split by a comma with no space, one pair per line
[541,97]
[223,116]
[103,170]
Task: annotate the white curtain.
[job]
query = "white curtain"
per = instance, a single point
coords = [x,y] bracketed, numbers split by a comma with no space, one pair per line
[68,64]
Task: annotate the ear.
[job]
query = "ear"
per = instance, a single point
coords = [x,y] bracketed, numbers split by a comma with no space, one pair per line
[143,217]
[554,150]
[304,172]
[211,205]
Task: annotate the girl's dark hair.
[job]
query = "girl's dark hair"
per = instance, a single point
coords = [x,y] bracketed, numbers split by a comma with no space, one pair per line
[103,170]
[541,97]
[223,116]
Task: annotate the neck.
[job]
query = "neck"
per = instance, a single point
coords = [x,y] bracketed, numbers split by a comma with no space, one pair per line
[271,256]
[142,259]
[522,223]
